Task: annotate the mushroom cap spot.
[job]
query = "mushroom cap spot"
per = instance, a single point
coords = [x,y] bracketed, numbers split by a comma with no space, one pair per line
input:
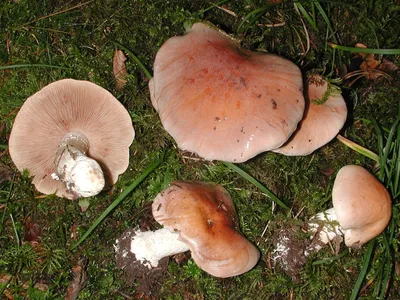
[224,102]
[321,122]
[205,216]
[362,204]
[61,107]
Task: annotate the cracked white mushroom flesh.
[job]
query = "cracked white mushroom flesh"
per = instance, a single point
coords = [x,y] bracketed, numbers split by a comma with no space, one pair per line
[81,175]
[224,102]
[361,209]
[73,137]
[199,217]
[324,116]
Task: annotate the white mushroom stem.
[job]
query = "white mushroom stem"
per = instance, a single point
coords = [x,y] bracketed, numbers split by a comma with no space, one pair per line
[150,247]
[324,227]
[82,175]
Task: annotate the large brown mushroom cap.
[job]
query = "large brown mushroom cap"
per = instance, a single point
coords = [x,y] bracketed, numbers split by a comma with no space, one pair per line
[224,102]
[70,106]
[206,219]
[325,115]
[362,204]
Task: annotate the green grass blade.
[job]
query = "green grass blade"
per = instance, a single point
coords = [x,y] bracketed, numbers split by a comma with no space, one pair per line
[252,180]
[121,197]
[306,15]
[387,266]
[330,259]
[388,145]
[395,186]
[252,17]
[136,59]
[366,50]
[3,147]
[360,149]
[32,66]
[212,6]
[15,231]
[6,285]
[326,19]
[6,204]
[380,148]
[364,269]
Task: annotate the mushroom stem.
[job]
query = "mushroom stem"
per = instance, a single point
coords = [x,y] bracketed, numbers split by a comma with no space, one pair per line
[150,247]
[82,175]
[324,228]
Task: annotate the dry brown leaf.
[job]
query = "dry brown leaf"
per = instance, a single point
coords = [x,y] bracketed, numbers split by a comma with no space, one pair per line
[5,279]
[365,65]
[5,173]
[78,279]
[32,231]
[369,61]
[388,66]
[119,68]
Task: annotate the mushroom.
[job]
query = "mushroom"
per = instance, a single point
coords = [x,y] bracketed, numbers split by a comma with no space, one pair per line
[324,116]
[68,134]
[224,102]
[199,217]
[361,210]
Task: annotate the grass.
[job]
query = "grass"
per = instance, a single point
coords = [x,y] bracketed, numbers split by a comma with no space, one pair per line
[120,198]
[48,41]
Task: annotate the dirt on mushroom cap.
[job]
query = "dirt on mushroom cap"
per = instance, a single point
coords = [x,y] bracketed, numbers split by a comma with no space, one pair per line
[205,216]
[224,102]
[324,116]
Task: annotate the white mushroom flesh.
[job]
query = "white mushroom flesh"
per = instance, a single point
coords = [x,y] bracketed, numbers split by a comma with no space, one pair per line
[150,247]
[82,175]
[324,228]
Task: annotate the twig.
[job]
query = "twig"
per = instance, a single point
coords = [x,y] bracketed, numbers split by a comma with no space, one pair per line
[227,11]
[56,13]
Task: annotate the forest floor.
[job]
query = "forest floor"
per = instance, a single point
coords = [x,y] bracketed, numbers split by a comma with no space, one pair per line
[45,41]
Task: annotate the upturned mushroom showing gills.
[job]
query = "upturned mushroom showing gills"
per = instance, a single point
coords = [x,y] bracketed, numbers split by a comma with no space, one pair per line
[324,116]
[199,217]
[224,102]
[361,210]
[73,137]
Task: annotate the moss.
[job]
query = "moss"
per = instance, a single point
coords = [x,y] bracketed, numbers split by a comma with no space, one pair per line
[82,40]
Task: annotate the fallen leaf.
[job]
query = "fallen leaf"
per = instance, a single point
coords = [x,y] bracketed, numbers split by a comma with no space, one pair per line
[388,66]
[83,204]
[369,61]
[2,129]
[327,172]
[74,233]
[78,279]
[119,68]
[5,173]
[32,231]
[365,65]
[6,279]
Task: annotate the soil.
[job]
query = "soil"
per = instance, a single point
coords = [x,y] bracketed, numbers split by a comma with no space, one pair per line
[289,251]
[148,280]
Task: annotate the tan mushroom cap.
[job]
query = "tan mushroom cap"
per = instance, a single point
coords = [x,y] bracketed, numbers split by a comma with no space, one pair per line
[362,205]
[321,121]
[224,102]
[70,106]
[205,216]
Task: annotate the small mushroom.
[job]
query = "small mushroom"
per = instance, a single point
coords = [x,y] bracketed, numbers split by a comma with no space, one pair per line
[361,210]
[68,134]
[325,115]
[224,102]
[199,217]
